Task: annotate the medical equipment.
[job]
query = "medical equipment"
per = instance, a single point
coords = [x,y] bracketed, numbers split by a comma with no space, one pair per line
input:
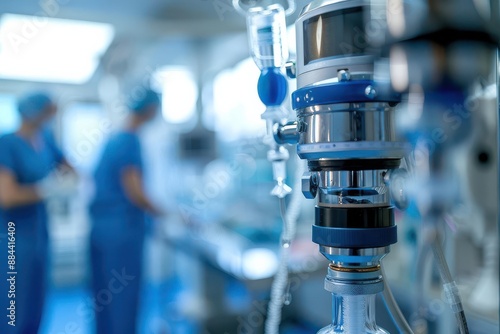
[376,80]
[346,126]
[266,25]
[442,57]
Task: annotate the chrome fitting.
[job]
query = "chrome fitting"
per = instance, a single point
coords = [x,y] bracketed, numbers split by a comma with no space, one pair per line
[309,185]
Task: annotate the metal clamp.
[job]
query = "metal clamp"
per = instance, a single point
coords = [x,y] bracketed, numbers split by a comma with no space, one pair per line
[309,185]
[286,134]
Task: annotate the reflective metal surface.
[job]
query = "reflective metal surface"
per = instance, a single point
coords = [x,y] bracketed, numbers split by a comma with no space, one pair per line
[357,130]
[363,280]
[355,258]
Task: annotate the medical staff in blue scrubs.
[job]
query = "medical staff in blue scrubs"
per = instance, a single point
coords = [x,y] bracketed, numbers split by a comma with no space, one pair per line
[28,159]
[118,212]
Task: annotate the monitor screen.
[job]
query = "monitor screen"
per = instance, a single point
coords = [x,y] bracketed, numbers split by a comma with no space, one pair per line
[335,34]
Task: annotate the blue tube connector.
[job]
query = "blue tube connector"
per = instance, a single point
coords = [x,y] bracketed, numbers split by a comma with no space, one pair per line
[272,86]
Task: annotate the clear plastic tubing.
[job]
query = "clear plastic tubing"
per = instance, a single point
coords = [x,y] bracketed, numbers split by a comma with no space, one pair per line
[280,282]
[393,308]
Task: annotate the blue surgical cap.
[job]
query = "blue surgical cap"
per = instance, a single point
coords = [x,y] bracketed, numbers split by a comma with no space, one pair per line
[141,99]
[32,105]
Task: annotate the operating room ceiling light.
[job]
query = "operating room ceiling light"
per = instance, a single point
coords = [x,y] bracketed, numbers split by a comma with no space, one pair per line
[47,49]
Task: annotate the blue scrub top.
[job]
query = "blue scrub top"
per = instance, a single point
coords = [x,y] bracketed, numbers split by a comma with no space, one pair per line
[117,236]
[122,151]
[29,162]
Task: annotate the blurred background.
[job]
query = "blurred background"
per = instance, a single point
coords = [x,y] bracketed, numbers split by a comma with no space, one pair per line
[208,266]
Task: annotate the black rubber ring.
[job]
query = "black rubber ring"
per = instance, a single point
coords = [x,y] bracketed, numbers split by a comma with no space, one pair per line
[367,217]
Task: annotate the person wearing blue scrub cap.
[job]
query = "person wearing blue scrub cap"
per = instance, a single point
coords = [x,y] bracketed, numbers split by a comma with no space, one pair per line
[118,214]
[27,159]
[33,105]
[140,101]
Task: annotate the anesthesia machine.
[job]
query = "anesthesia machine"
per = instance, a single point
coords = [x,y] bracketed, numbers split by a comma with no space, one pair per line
[385,93]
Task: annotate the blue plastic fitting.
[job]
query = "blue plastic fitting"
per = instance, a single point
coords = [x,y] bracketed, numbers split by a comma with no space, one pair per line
[272,86]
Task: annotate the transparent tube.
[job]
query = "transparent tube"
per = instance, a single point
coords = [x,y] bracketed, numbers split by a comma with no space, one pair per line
[393,308]
[268,36]
[279,293]
[450,287]
[353,314]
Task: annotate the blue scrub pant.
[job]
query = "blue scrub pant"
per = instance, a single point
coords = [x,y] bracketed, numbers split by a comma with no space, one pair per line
[31,252]
[116,246]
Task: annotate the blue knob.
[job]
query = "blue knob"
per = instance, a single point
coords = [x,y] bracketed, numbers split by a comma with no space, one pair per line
[272,86]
